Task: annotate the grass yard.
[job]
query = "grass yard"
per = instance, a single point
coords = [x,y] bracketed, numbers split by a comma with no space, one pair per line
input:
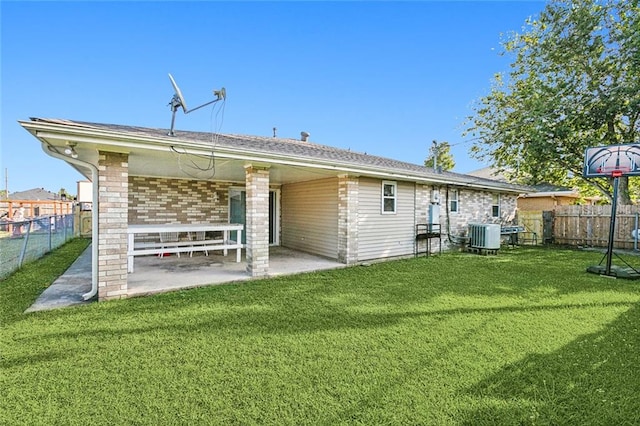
[38,243]
[525,337]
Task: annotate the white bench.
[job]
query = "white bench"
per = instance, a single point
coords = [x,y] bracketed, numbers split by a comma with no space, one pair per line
[187,246]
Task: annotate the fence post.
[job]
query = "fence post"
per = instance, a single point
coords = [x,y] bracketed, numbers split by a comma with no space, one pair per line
[23,251]
[72,228]
[51,220]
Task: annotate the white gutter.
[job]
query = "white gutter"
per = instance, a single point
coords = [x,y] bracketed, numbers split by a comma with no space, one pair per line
[50,150]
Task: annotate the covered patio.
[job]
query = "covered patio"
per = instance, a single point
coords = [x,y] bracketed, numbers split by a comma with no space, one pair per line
[144,177]
[162,274]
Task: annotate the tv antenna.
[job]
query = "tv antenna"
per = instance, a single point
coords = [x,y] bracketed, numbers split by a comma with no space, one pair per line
[178,101]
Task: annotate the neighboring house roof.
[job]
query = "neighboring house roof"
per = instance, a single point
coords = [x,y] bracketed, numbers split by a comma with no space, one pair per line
[35,194]
[256,148]
[536,191]
[489,173]
[566,193]
[540,190]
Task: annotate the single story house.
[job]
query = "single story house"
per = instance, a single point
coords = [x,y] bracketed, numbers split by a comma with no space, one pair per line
[335,203]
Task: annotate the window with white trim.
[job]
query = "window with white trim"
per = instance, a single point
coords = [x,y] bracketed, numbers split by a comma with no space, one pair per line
[453,200]
[495,205]
[389,197]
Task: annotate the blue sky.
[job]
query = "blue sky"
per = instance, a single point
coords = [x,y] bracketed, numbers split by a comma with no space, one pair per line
[384,78]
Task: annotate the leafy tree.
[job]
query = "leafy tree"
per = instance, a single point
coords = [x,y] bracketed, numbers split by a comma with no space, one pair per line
[64,195]
[441,154]
[574,83]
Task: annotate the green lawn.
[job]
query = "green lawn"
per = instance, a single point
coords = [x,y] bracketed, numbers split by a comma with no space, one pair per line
[38,243]
[525,337]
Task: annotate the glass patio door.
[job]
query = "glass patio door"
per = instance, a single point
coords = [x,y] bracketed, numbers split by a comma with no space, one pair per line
[238,212]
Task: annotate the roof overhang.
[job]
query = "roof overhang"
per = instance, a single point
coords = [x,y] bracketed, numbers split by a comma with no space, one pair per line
[181,157]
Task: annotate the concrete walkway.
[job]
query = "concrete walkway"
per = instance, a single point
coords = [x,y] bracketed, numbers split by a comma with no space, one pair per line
[157,275]
[68,289]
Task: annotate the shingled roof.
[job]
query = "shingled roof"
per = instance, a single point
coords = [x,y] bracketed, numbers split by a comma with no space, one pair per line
[292,148]
[35,194]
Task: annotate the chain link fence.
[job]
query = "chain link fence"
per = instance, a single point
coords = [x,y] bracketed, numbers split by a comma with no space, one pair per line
[28,240]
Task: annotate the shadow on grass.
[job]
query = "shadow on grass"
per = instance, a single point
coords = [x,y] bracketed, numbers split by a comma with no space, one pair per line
[439,302]
[378,296]
[591,381]
[266,322]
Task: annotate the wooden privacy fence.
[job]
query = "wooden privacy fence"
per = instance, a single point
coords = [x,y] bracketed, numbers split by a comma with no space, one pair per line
[532,222]
[589,226]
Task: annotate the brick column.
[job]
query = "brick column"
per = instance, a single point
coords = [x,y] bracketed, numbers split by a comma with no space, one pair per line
[257,220]
[423,199]
[348,219]
[113,204]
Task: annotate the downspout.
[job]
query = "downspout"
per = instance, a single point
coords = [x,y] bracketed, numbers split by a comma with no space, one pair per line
[446,204]
[50,150]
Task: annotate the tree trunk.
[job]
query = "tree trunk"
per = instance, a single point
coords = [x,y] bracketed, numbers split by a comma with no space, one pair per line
[623,191]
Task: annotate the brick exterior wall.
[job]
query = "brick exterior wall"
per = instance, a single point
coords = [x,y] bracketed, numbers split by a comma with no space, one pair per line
[475,207]
[112,225]
[257,227]
[347,219]
[423,201]
[162,200]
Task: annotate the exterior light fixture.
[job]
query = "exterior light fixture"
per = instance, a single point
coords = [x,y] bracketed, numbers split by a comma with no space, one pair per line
[70,150]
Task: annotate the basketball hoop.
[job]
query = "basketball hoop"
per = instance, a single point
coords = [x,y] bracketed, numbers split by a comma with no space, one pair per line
[612,161]
[615,171]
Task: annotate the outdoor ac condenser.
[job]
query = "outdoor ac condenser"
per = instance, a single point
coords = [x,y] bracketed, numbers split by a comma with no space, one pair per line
[484,236]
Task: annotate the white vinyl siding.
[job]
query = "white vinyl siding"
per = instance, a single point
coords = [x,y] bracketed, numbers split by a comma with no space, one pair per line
[310,217]
[384,235]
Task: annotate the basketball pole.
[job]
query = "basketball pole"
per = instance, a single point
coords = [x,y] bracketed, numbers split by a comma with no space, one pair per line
[612,223]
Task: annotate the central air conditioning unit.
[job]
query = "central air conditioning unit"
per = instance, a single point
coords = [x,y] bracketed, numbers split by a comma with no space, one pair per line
[484,236]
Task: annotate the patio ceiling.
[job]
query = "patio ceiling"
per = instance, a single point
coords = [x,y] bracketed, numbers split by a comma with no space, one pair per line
[181,163]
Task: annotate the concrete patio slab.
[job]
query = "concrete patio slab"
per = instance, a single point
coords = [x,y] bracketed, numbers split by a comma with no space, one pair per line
[157,275]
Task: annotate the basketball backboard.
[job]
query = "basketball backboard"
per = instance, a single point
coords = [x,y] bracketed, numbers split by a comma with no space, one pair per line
[612,160]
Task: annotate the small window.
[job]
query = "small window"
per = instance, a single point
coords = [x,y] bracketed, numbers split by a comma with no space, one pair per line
[389,191]
[495,206]
[453,200]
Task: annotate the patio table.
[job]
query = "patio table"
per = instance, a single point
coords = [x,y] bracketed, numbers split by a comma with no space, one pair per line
[225,244]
